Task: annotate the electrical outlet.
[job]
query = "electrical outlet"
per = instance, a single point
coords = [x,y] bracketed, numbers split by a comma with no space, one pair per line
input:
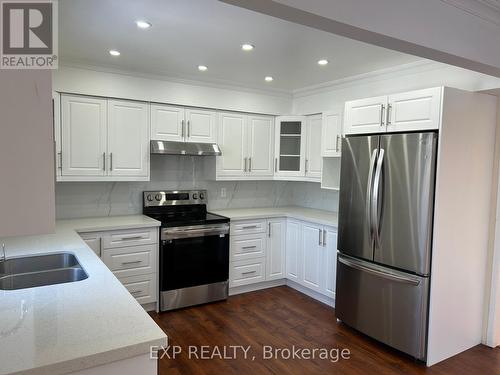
[223,192]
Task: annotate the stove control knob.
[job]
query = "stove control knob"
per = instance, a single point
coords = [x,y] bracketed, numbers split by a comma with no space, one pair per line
[158,197]
[202,195]
[149,198]
[195,196]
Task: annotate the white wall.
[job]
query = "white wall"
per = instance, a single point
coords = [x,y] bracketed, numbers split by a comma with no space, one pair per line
[26,153]
[89,81]
[414,76]
[466,35]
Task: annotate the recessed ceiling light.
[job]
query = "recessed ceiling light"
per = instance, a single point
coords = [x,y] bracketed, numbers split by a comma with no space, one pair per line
[202,68]
[247,47]
[322,62]
[114,52]
[143,24]
[269,79]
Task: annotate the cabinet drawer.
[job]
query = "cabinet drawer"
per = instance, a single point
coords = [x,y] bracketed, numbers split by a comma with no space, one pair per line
[247,272]
[248,227]
[248,246]
[129,237]
[131,261]
[143,287]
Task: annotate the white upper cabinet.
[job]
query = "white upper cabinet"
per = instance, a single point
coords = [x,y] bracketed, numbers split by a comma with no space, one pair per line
[200,125]
[84,136]
[167,123]
[260,145]
[233,144]
[128,138]
[365,115]
[409,111]
[179,124]
[331,134]
[415,110]
[247,145]
[104,140]
[313,147]
[290,146]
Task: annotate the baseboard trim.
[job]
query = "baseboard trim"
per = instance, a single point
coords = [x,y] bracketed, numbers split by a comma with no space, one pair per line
[311,293]
[256,286]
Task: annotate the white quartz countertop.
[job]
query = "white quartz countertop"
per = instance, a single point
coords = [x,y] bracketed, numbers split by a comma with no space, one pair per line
[62,328]
[300,213]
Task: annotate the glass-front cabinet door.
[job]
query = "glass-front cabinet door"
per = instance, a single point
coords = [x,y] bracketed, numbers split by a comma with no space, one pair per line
[290,146]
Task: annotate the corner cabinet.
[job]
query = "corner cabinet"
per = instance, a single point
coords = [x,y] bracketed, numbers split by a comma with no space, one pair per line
[331,134]
[103,140]
[179,124]
[247,144]
[409,111]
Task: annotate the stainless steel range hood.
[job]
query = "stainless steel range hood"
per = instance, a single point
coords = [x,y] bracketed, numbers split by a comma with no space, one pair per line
[185,148]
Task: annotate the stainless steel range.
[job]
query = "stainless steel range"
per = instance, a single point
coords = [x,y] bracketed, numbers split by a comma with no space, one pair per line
[194,248]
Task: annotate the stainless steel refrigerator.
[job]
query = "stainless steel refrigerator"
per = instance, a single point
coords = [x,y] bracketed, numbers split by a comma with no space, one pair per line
[386,205]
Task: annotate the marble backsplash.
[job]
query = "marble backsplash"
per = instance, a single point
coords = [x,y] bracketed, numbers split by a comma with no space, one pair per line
[84,199]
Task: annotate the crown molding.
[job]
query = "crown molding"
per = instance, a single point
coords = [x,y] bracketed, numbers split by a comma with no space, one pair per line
[217,84]
[487,10]
[373,76]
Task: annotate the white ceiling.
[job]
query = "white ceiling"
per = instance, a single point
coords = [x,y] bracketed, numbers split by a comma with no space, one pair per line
[187,33]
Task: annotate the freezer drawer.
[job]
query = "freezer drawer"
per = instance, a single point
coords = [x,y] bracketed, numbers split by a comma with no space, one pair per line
[388,305]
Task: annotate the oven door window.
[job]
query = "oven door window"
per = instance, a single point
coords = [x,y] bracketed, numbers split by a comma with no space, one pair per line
[194,261]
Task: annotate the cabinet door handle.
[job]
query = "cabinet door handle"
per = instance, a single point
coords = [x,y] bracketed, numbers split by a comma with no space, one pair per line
[388,118]
[136,292]
[104,161]
[307,162]
[250,227]
[320,232]
[249,247]
[250,164]
[110,161]
[269,228]
[276,164]
[324,238]
[182,128]
[337,143]
[132,262]
[245,168]
[382,108]
[60,160]
[189,128]
[100,247]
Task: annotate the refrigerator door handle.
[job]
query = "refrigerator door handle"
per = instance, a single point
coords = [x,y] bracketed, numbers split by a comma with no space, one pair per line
[376,196]
[376,272]
[369,188]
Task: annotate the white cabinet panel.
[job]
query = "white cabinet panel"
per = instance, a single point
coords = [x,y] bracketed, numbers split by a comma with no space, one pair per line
[142,287]
[248,226]
[311,260]
[329,262]
[167,123]
[200,125]
[129,237]
[313,147]
[84,135]
[260,145]
[276,242]
[248,246]
[293,250]
[331,134]
[414,110]
[366,115]
[130,261]
[233,143]
[246,272]
[128,141]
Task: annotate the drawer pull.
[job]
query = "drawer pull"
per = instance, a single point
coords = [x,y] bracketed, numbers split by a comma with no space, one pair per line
[250,227]
[132,262]
[136,292]
[131,238]
[249,247]
[248,272]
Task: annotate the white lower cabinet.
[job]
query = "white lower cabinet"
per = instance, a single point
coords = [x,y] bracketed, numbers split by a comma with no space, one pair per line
[132,256]
[284,249]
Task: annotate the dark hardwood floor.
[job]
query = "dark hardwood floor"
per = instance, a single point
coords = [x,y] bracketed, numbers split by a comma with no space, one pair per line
[282,317]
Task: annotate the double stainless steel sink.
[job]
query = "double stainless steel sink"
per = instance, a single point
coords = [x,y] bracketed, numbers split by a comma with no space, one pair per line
[40,270]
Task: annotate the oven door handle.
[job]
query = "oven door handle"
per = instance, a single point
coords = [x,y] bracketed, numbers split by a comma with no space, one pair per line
[178,233]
